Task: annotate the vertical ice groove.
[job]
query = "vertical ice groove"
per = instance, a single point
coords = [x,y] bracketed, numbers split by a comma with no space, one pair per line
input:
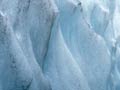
[15,71]
[64,67]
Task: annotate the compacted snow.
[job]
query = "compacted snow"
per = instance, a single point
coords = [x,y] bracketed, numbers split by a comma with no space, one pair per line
[59,45]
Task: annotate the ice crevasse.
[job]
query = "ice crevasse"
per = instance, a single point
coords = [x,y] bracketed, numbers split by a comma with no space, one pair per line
[59,45]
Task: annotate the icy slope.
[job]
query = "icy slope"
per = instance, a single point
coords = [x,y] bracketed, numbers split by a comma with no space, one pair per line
[29,77]
[82,41]
[59,45]
[61,68]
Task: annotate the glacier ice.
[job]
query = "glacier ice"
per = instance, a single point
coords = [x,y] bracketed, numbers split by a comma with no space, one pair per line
[59,45]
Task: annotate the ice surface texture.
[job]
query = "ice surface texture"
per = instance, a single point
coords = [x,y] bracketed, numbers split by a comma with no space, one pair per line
[59,45]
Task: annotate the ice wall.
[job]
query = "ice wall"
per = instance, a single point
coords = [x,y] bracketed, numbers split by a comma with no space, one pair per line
[59,45]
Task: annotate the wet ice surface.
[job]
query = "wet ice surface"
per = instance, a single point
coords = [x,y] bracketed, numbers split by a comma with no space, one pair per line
[59,45]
